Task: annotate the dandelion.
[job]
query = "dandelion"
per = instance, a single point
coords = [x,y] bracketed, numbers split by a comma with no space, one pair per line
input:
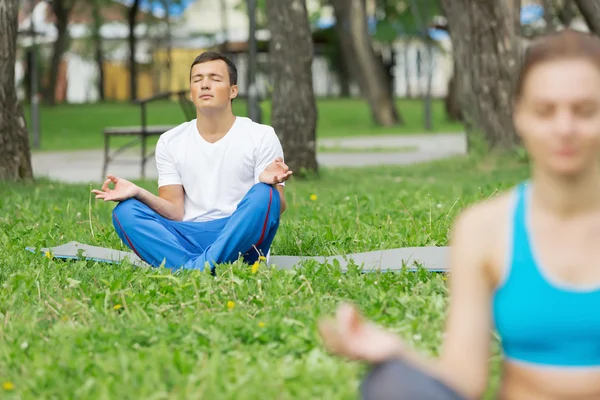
[261,324]
[313,197]
[117,307]
[230,304]
[262,258]
[48,255]
[8,386]
[255,267]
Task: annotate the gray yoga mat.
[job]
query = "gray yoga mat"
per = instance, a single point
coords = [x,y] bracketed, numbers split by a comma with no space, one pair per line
[431,258]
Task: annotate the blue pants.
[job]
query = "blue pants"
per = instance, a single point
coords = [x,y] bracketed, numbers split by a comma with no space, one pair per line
[249,231]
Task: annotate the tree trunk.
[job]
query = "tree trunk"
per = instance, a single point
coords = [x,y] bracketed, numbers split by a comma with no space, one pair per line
[566,12]
[366,68]
[61,10]
[15,157]
[590,10]
[98,48]
[549,10]
[409,94]
[486,54]
[294,111]
[131,16]
[452,101]
[169,44]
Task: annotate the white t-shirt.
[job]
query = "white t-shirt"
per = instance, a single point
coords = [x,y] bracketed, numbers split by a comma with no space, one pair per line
[215,176]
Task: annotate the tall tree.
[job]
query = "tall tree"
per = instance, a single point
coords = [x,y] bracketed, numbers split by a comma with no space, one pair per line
[566,11]
[15,157]
[132,14]
[365,67]
[62,10]
[486,51]
[98,44]
[294,111]
[590,10]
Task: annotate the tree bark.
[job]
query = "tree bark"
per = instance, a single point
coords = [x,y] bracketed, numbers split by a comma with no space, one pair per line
[15,157]
[294,111]
[62,10]
[98,47]
[366,68]
[549,11]
[169,43]
[452,101]
[590,10]
[486,53]
[131,16]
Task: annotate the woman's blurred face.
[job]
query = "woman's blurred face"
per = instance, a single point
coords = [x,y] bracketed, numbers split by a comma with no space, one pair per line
[558,116]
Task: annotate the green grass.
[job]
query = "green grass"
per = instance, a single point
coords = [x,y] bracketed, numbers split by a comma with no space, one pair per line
[86,330]
[79,126]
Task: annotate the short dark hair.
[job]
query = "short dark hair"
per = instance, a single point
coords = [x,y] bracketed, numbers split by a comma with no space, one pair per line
[213,56]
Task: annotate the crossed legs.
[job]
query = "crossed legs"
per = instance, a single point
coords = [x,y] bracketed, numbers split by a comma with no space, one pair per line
[249,231]
[398,380]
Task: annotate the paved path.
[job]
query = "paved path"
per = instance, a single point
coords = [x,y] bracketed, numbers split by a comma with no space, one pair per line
[85,166]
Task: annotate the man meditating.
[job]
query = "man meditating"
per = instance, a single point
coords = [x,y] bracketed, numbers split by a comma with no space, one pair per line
[220,183]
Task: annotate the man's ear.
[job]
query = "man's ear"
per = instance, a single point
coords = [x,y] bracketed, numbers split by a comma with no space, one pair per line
[233,92]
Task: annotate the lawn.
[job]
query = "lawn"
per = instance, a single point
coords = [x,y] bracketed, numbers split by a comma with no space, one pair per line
[79,126]
[84,330]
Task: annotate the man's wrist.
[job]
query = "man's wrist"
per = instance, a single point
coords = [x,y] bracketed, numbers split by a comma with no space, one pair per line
[139,195]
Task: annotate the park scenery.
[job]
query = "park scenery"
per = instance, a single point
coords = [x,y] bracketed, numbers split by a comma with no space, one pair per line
[388,121]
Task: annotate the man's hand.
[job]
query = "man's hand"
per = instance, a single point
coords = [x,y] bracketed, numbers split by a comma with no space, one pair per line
[123,190]
[276,172]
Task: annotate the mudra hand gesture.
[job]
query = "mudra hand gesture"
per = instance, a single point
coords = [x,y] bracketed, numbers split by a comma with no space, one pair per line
[350,336]
[276,172]
[123,189]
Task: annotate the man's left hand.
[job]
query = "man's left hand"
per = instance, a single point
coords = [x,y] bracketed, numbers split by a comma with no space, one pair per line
[276,172]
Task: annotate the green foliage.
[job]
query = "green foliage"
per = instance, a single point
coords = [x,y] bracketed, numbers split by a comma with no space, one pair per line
[77,329]
[405,18]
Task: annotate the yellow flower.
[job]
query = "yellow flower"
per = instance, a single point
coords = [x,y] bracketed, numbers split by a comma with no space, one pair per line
[8,386]
[255,267]
[313,197]
[261,324]
[48,254]
[230,304]
[117,306]
[262,258]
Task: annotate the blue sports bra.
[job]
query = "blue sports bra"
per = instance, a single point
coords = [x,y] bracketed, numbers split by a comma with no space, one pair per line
[540,321]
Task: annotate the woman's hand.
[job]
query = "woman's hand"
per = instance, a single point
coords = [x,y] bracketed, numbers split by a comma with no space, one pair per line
[350,336]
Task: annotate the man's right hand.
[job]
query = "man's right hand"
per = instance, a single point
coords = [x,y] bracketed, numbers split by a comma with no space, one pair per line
[123,189]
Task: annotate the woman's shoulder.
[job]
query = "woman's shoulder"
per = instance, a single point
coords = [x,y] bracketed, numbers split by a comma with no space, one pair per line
[481,230]
[491,212]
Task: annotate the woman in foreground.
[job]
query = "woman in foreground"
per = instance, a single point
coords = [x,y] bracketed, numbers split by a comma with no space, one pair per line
[526,263]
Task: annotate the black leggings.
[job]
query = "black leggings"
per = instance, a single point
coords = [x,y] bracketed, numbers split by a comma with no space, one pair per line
[397,380]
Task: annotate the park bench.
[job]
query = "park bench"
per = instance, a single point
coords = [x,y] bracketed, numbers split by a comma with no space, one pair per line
[142,132]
